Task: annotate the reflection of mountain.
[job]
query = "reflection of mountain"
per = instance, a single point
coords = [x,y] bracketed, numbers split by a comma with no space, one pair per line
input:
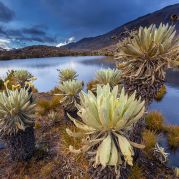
[172,78]
[104,62]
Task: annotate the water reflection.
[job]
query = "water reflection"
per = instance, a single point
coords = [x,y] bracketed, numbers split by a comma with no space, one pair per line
[169,106]
[45,68]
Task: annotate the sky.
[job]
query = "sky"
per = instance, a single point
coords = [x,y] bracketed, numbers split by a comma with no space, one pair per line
[58,22]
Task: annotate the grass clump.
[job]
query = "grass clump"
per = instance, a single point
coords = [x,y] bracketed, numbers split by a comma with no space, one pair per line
[136,172]
[149,139]
[154,121]
[160,94]
[173,136]
[45,105]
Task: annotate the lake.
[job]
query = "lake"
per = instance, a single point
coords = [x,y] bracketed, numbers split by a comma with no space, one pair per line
[45,69]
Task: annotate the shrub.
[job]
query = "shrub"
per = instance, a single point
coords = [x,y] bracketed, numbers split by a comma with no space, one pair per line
[146,54]
[70,94]
[53,116]
[106,119]
[67,74]
[16,123]
[104,77]
[154,121]
[22,76]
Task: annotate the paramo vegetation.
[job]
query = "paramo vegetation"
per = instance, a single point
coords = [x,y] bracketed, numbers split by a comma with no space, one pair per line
[104,132]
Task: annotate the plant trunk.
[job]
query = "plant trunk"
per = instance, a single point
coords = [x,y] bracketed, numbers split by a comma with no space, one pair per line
[22,145]
[146,91]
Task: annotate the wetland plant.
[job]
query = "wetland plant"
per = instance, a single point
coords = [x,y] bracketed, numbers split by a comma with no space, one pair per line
[69,93]
[16,123]
[104,77]
[22,77]
[67,74]
[145,55]
[106,120]
[154,121]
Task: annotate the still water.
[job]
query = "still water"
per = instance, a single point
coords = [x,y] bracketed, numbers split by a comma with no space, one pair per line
[45,69]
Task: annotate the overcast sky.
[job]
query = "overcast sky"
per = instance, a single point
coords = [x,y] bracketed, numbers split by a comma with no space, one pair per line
[52,22]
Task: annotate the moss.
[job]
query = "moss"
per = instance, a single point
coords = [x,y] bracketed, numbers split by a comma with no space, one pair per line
[149,139]
[160,94]
[154,121]
[173,136]
[136,172]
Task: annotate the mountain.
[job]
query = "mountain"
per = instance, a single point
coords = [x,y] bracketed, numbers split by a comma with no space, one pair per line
[37,51]
[109,39]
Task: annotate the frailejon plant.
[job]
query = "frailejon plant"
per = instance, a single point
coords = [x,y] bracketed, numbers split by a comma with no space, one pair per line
[107,76]
[67,74]
[22,77]
[106,121]
[16,123]
[69,91]
[145,56]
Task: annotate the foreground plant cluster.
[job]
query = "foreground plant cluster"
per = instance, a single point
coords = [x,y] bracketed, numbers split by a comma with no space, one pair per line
[104,132]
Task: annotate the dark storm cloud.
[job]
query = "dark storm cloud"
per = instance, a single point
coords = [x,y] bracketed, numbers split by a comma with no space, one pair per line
[33,31]
[27,34]
[98,16]
[6,14]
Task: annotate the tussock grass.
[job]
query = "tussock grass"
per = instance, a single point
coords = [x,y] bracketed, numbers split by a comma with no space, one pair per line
[45,105]
[136,172]
[149,140]
[172,136]
[161,93]
[154,121]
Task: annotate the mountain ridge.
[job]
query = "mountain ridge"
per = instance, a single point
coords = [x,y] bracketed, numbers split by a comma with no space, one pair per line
[113,36]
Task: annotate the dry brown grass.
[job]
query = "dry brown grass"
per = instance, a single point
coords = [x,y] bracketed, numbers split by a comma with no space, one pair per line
[161,93]
[149,140]
[172,135]
[45,105]
[136,172]
[154,121]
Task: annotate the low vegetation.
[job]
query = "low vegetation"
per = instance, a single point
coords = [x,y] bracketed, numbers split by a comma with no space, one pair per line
[104,131]
[67,74]
[16,123]
[69,93]
[99,136]
[146,53]
[173,136]
[154,121]
[104,77]
[149,140]
[160,94]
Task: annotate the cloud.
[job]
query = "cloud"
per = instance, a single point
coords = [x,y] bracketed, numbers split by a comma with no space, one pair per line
[70,40]
[33,31]
[6,14]
[4,43]
[26,35]
[95,17]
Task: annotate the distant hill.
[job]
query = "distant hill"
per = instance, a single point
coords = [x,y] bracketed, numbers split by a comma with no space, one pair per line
[37,51]
[111,38]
